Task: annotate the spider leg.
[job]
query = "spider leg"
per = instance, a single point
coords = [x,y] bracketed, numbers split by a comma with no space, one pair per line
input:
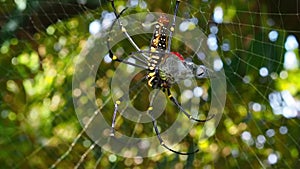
[149,111]
[173,25]
[174,100]
[112,130]
[149,52]
[118,102]
[115,58]
[124,31]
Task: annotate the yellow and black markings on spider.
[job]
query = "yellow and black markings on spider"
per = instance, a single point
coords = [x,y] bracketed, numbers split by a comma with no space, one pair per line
[157,47]
[160,45]
[114,57]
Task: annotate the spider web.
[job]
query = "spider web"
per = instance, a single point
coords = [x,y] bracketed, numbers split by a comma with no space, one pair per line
[257,42]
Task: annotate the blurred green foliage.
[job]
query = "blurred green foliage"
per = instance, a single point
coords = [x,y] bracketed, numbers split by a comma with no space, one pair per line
[38,123]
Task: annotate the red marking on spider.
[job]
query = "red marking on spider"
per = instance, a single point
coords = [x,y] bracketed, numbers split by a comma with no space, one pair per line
[178,55]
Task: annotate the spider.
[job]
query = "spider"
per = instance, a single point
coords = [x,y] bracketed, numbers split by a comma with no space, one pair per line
[159,62]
